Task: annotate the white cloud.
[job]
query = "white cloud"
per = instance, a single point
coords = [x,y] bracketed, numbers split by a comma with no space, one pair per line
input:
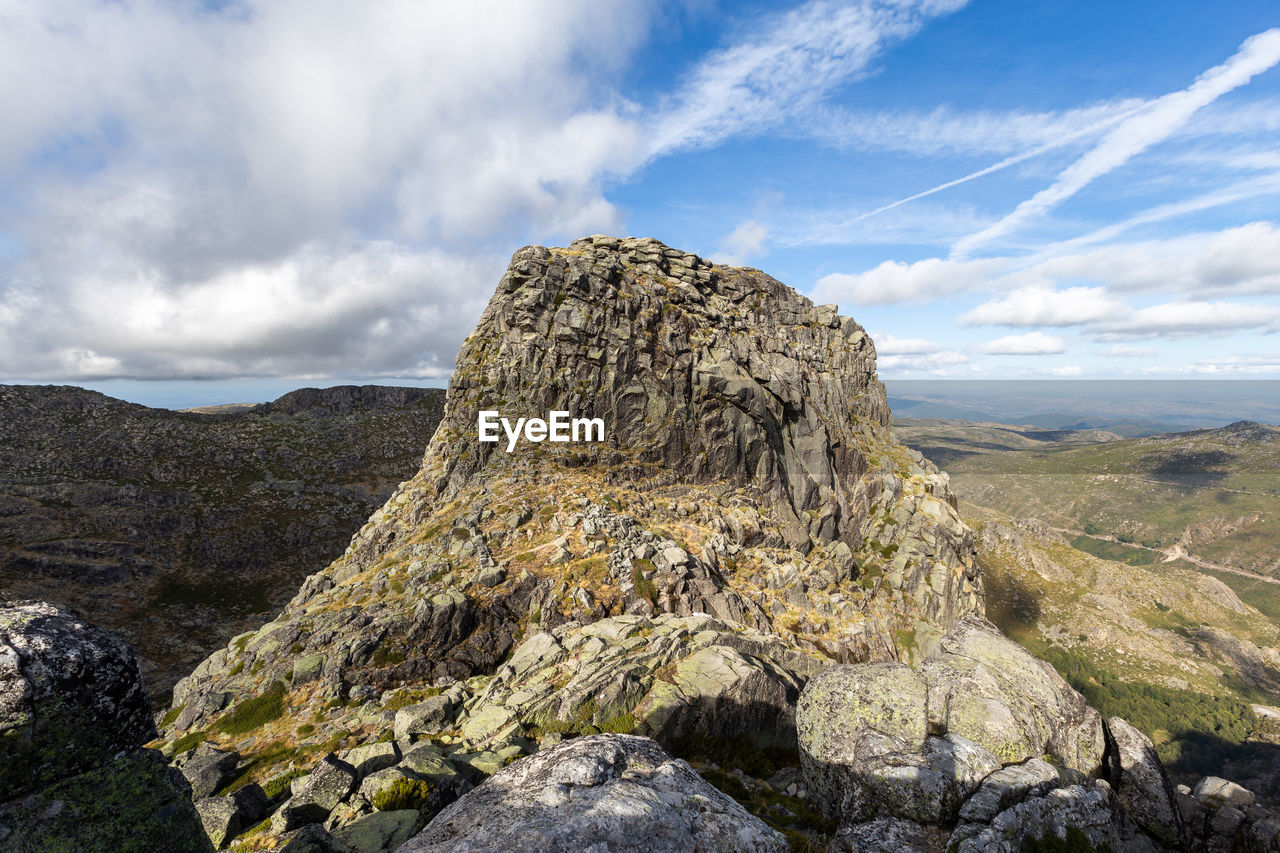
[895,281]
[794,60]
[887,344]
[373,308]
[1042,306]
[175,169]
[1138,133]
[1127,351]
[937,363]
[1065,370]
[1235,261]
[1230,365]
[265,187]
[945,131]
[1032,343]
[1182,319]
[745,241]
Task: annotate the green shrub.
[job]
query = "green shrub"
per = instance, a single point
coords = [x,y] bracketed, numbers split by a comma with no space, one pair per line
[403,794]
[1207,731]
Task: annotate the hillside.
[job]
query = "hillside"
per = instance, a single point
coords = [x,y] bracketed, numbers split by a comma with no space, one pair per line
[1144,569]
[1209,495]
[179,530]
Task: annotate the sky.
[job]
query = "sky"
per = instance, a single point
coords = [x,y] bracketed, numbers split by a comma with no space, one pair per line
[207,202]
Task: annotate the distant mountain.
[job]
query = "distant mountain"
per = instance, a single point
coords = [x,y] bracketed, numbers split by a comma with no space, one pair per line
[179,529]
[1127,407]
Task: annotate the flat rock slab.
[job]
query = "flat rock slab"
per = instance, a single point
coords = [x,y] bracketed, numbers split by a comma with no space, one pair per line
[620,792]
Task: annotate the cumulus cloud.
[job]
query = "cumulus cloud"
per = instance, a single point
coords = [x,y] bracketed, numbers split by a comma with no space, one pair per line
[895,281]
[1032,343]
[1138,133]
[1241,260]
[1182,319]
[316,312]
[937,363]
[1229,365]
[887,344]
[204,190]
[1043,306]
[745,241]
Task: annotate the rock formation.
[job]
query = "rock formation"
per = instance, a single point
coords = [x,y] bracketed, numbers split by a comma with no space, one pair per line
[746,521]
[621,791]
[73,716]
[985,748]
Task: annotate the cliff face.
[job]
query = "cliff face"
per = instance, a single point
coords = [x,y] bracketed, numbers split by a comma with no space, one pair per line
[719,380]
[746,520]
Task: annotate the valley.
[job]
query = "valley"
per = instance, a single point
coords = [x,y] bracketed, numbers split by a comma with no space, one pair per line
[1144,569]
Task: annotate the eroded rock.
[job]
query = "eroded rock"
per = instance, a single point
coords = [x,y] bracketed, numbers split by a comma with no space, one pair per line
[619,791]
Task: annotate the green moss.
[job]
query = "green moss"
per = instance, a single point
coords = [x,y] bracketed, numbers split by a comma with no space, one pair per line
[274,788]
[623,725]
[384,656]
[188,741]
[170,716]
[254,713]
[305,729]
[1074,842]
[129,804]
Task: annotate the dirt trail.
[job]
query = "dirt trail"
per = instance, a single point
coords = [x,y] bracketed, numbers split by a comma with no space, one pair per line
[1177,552]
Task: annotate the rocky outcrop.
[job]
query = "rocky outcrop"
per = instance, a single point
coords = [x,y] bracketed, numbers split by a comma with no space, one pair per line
[1220,815]
[179,530]
[983,747]
[73,716]
[746,520]
[608,791]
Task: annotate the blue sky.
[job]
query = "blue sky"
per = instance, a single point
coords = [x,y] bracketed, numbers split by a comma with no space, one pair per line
[211,202]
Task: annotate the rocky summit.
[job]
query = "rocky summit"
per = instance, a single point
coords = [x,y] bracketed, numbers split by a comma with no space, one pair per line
[744,619]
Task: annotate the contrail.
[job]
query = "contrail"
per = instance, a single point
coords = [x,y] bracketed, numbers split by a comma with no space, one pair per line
[1007,162]
[1165,115]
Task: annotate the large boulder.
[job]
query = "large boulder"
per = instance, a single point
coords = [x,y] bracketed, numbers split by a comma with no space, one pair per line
[616,792]
[132,804]
[887,739]
[73,718]
[207,769]
[1144,787]
[71,697]
[986,687]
